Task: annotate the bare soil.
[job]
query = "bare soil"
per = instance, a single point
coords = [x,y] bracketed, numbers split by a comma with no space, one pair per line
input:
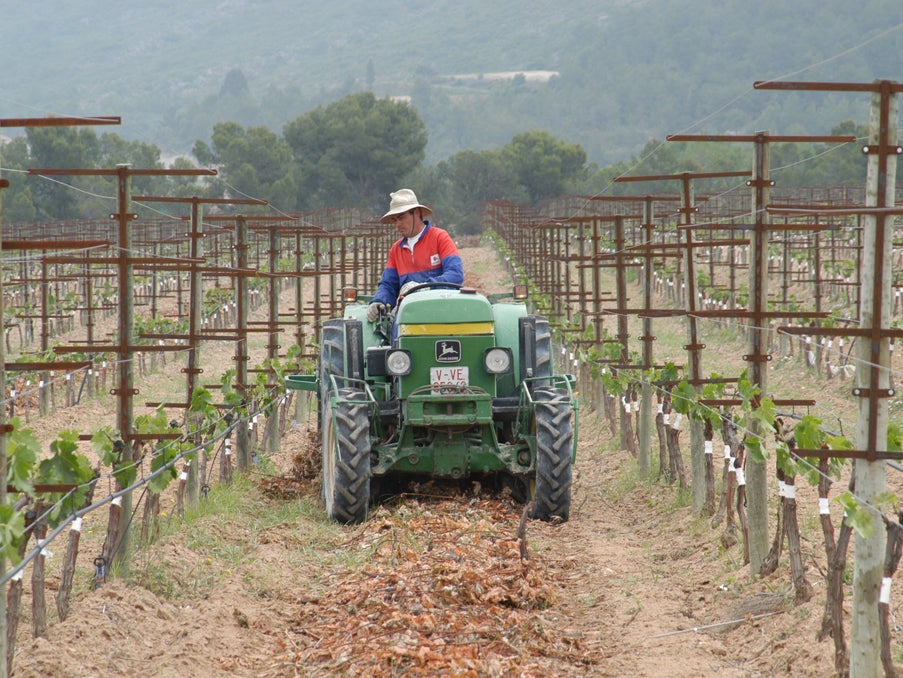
[437,583]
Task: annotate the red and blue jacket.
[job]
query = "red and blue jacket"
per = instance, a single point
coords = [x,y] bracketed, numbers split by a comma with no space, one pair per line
[434,259]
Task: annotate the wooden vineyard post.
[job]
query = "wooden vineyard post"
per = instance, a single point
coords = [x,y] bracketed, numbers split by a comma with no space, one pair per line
[836,556]
[15,600]
[875,312]
[873,385]
[38,600]
[242,445]
[67,575]
[271,430]
[891,561]
[192,370]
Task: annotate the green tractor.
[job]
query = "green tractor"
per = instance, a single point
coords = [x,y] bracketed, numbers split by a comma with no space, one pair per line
[454,386]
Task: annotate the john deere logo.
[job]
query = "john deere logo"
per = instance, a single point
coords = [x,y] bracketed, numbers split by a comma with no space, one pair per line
[448,351]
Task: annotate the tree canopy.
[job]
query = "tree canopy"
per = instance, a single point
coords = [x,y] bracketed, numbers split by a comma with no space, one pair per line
[356,150]
[35,198]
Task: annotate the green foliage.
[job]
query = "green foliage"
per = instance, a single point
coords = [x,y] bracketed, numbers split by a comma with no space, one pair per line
[22,450]
[758,415]
[894,437]
[32,198]
[542,164]
[12,527]
[684,398]
[857,516]
[201,401]
[468,179]
[164,452]
[153,423]
[24,471]
[66,466]
[354,151]
[158,325]
[107,443]
[230,396]
[616,382]
[163,457]
[215,298]
[808,433]
[255,160]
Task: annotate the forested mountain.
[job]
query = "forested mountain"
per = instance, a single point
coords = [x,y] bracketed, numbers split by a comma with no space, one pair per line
[627,70]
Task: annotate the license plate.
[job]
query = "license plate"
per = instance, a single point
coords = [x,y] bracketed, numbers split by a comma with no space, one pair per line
[448,378]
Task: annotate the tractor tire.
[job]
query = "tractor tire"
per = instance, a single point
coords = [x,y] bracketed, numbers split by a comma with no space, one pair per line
[342,349]
[341,355]
[554,442]
[535,351]
[346,457]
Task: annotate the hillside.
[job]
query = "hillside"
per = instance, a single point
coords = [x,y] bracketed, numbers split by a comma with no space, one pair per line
[630,70]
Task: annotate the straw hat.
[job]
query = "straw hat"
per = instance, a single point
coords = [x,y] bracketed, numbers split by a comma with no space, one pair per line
[402,201]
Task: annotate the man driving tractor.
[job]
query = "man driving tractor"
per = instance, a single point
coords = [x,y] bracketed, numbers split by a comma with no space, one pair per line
[424,254]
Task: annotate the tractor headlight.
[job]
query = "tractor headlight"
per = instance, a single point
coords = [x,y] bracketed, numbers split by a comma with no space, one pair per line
[497,360]
[398,363]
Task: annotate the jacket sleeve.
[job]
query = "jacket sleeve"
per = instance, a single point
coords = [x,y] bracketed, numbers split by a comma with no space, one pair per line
[452,270]
[389,284]
[452,266]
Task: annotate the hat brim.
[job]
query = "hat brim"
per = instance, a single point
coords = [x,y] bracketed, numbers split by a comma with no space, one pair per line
[404,208]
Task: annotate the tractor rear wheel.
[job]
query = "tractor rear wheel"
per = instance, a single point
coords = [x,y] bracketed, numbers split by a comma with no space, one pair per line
[535,351]
[346,456]
[341,356]
[554,442]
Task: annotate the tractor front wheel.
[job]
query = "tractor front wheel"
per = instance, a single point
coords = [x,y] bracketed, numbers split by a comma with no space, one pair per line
[554,440]
[346,456]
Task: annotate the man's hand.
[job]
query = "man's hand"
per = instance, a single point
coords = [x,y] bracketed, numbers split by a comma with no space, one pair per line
[373,311]
[407,287]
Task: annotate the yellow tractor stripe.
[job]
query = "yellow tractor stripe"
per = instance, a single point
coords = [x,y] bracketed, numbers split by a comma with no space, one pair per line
[423,329]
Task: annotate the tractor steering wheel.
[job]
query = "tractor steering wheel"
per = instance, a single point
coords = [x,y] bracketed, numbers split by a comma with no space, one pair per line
[429,285]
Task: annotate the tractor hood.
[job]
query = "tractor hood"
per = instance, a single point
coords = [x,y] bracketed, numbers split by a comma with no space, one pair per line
[444,307]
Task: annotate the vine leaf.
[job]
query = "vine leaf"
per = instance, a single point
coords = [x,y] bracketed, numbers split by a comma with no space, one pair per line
[12,527]
[856,516]
[808,433]
[683,397]
[894,438]
[23,450]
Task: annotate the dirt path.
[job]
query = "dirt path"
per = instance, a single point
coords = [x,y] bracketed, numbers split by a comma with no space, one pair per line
[433,585]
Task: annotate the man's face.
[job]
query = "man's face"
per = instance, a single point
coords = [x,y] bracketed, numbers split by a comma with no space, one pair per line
[408,224]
